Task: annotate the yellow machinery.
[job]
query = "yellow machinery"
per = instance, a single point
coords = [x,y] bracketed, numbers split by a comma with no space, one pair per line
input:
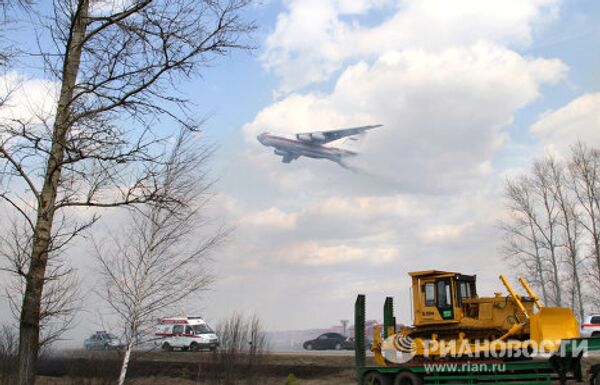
[450,319]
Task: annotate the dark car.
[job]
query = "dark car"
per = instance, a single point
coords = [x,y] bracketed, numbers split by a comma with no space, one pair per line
[329,341]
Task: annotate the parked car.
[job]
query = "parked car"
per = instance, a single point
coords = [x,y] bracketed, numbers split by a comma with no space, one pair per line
[329,341]
[102,341]
[590,327]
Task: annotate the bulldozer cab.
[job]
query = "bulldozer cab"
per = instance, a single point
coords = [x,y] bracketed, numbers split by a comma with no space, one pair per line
[438,296]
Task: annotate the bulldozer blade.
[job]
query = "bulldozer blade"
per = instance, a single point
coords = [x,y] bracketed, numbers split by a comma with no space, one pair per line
[552,324]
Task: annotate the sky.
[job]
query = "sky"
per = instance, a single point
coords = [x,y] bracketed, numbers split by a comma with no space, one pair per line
[468,92]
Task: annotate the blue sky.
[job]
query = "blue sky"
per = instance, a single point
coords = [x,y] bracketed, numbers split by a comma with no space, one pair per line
[237,88]
[358,233]
[469,92]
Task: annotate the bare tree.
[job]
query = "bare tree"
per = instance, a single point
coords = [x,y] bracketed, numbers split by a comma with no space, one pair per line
[160,259]
[532,233]
[570,234]
[547,225]
[61,298]
[243,344]
[7,8]
[116,65]
[8,352]
[554,228]
[584,169]
[522,244]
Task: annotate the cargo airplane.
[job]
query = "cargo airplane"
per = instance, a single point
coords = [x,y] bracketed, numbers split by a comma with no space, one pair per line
[312,144]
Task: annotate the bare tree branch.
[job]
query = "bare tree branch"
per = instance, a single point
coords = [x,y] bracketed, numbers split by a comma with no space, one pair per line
[160,262]
[105,144]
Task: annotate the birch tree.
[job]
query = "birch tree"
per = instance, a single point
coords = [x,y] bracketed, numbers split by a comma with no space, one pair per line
[160,259]
[532,232]
[553,231]
[547,225]
[116,65]
[584,169]
[570,233]
[522,238]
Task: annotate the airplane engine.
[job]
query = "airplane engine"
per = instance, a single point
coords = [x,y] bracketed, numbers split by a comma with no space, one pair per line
[279,152]
[319,136]
[304,137]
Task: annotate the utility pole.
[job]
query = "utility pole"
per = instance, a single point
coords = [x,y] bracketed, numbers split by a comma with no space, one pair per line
[344,326]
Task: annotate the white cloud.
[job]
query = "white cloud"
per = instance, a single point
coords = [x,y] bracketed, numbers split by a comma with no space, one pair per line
[444,113]
[314,38]
[108,7]
[446,79]
[27,100]
[579,120]
[312,254]
[444,233]
[272,218]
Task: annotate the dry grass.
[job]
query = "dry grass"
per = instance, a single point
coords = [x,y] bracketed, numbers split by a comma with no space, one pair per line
[317,369]
[186,368]
[345,378]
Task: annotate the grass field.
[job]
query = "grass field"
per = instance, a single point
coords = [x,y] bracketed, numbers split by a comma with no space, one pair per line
[186,368]
[157,368]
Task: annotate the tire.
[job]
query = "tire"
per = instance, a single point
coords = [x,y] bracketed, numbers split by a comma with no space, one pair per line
[375,378]
[407,378]
[194,347]
[213,349]
[596,335]
[166,347]
[338,346]
[309,347]
[595,375]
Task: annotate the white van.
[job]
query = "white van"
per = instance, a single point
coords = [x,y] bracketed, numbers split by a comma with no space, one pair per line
[590,327]
[185,333]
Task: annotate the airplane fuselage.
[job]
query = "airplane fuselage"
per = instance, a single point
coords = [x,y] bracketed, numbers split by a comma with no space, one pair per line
[291,147]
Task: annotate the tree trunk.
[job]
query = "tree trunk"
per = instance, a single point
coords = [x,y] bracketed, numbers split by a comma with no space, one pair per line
[596,238]
[538,261]
[125,364]
[29,327]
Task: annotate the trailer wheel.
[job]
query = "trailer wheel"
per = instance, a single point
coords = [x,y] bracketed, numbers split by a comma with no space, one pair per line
[407,378]
[595,375]
[375,378]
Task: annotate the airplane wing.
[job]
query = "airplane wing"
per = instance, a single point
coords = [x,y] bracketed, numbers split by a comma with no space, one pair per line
[322,137]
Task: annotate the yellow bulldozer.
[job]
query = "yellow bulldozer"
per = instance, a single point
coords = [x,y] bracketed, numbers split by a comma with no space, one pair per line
[451,320]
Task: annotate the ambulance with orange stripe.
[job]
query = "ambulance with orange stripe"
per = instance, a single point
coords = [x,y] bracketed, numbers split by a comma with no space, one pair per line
[185,333]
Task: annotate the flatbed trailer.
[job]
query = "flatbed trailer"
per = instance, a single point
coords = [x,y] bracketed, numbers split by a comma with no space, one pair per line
[537,371]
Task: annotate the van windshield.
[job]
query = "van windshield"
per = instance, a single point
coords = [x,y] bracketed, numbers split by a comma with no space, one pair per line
[202,329]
